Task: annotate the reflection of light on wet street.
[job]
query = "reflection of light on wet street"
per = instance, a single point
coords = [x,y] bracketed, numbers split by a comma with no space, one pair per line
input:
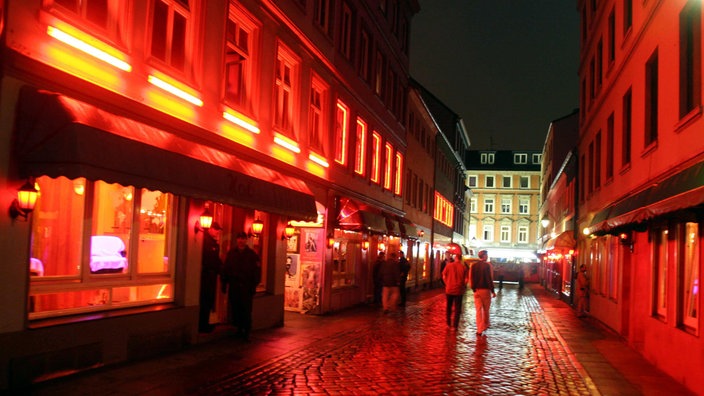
[413,351]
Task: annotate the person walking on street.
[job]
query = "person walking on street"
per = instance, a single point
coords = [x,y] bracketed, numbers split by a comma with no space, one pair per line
[582,291]
[390,281]
[482,284]
[455,276]
[211,266]
[405,269]
[376,276]
[241,276]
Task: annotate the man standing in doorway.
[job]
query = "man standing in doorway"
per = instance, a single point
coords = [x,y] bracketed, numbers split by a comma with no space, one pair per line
[482,284]
[405,269]
[241,275]
[211,265]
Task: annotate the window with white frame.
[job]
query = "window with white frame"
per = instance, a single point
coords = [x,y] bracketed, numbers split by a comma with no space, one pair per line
[489,181]
[472,181]
[522,234]
[109,246]
[316,114]
[488,232]
[506,205]
[506,181]
[488,205]
[525,182]
[109,16]
[171,34]
[505,233]
[285,80]
[524,205]
[520,158]
[537,159]
[486,158]
[473,205]
[240,35]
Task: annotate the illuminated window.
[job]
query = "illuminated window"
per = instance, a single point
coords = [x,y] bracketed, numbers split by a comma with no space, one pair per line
[399,170]
[376,158]
[523,206]
[444,210]
[170,39]
[123,260]
[660,272]
[388,165]
[360,155]
[473,205]
[283,94]
[107,15]
[346,257]
[689,282]
[341,125]
[316,114]
[239,66]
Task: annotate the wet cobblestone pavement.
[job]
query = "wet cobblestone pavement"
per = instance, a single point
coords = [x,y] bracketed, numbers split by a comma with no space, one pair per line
[535,346]
[414,351]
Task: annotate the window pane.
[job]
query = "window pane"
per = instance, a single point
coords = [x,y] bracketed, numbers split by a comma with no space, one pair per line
[97,12]
[178,42]
[661,274]
[112,224]
[142,294]
[57,227]
[159,24]
[691,275]
[154,231]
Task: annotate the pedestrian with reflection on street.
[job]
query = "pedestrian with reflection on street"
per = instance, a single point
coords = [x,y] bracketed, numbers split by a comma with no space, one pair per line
[455,275]
[405,269]
[390,281]
[376,276]
[482,283]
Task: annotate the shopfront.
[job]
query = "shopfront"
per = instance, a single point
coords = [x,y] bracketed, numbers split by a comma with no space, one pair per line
[114,240]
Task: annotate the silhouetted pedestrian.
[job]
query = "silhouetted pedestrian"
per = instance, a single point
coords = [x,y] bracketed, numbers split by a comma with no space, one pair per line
[241,275]
[390,281]
[405,269]
[211,265]
[582,291]
[376,276]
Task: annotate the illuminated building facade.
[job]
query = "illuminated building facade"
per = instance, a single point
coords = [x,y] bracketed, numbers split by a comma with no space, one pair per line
[132,119]
[641,155]
[503,208]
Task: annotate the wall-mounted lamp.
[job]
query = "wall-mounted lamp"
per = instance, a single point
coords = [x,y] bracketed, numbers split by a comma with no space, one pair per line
[257,227]
[205,220]
[626,239]
[288,232]
[331,240]
[23,205]
[365,245]
[421,233]
[545,222]
[382,247]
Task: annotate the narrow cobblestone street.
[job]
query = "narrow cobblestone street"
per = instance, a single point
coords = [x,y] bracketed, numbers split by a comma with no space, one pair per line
[411,351]
[414,351]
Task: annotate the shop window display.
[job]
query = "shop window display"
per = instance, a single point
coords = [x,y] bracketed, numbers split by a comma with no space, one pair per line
[97,246]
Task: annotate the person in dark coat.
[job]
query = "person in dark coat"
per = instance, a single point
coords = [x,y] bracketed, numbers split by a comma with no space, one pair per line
[241,275]
[376,276]
[211,265]
[405,269]
[390,280]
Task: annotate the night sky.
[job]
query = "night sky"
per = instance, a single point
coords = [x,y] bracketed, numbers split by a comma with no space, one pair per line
[507,67]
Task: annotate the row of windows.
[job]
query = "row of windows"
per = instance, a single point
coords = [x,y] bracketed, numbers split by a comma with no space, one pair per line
[505,233]
[418,193]
[418,131]
[599,158]
[506,181]
[172,42]
[355,44]
[518,158]
[505,208]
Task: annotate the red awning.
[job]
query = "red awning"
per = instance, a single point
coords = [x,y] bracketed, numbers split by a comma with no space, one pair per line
[683,190]
[60,136]
[352,218]
[564,240]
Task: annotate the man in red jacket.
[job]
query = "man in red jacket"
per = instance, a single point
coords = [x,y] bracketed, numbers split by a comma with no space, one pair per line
[482,283]
[455,277]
